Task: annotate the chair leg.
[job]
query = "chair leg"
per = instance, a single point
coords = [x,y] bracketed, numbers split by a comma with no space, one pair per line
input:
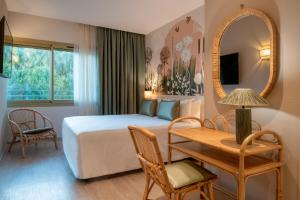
[146,191]
[210,191]
[13,141]
[177,196]
[168,196]
[202,189]
[23,149]
[55,142]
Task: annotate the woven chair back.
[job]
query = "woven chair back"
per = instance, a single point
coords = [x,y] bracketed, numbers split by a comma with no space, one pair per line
[148,152]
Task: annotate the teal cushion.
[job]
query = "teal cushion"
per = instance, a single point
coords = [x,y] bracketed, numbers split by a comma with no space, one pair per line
[169,110]
[148,107]
[186,172]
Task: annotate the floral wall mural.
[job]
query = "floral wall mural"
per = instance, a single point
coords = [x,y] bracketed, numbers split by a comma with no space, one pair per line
[180,71]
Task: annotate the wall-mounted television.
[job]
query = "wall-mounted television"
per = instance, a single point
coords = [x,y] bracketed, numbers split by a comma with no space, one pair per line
[6,49]
[229,69]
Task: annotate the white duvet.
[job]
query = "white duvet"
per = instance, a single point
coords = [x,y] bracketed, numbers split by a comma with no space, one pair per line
[101,145]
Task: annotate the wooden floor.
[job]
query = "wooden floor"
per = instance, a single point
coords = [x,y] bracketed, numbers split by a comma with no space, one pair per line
[45,174]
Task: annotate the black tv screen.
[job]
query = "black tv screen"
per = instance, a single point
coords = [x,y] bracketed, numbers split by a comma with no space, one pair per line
[6,48]
[229,69]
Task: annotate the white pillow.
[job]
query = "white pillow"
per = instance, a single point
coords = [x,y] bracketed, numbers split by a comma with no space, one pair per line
[196,106]
[185,107]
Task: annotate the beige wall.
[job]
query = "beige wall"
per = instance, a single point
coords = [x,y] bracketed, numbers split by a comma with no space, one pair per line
[284,114]
[29,26]
[3,8]
[3,86]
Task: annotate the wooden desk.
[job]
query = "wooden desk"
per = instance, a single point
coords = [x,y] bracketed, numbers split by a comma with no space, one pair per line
[219,149]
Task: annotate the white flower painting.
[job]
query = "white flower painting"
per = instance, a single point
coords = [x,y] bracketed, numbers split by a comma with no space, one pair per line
[183,48]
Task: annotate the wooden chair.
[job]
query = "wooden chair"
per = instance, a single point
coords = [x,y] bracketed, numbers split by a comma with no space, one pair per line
[172,183]
[226,122]
[28,127]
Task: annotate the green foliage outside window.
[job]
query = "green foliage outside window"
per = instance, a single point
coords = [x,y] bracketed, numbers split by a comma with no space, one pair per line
[63,75]
[31,74]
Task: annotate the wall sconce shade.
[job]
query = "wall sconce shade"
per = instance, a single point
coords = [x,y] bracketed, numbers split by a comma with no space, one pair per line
[148,94]
[265,52]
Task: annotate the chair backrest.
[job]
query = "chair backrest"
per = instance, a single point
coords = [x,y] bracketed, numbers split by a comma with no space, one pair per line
[226,122]
[26,119]
[148,152]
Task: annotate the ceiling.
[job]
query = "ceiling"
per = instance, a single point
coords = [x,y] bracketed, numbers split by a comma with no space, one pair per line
[140,16]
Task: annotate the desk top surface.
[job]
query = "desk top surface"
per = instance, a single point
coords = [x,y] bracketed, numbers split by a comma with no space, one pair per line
[223,141]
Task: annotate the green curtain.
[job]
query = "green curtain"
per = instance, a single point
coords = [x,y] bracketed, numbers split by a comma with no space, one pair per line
[121,58]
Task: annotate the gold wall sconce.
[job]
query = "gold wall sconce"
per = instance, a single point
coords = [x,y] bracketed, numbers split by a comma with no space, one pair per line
[148,94]
[265,52]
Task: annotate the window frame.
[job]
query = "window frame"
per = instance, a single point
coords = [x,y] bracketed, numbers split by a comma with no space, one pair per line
[52,46]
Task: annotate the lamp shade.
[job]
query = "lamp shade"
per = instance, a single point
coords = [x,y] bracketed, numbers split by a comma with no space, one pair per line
[244,97]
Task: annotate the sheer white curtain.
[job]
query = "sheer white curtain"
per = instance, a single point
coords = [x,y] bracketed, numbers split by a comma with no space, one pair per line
[86,72]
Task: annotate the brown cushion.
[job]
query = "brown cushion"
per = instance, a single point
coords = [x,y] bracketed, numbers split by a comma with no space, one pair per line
[37,131]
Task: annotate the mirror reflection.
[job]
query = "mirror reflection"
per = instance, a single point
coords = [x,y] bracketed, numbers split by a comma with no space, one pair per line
[245,55]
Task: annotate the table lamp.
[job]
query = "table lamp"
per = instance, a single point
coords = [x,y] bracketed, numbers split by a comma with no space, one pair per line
[244,99]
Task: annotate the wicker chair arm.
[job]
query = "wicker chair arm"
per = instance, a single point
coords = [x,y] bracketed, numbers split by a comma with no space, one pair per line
[47,120]
[14,124]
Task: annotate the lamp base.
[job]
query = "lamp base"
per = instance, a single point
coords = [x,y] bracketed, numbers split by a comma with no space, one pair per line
[243,124]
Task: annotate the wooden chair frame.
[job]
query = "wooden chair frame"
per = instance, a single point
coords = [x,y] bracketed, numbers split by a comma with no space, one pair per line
[18,128]
[146,145]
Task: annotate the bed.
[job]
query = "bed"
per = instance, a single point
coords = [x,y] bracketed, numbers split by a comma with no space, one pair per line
[101,145]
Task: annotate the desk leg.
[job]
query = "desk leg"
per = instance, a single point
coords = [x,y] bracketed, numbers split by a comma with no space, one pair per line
[279,190]
[241,188]
[169,155]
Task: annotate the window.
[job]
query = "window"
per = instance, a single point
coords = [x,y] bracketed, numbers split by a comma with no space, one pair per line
[63,75]
[42,72]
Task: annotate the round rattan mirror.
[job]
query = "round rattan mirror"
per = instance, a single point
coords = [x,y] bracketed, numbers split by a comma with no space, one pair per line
[255,61]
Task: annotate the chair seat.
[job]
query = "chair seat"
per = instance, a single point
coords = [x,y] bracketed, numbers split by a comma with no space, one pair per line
[186,172]
[37,131]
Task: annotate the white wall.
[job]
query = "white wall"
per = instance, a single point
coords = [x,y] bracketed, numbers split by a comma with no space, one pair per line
[28,26]
[3,113]
[284,114]
[3,86]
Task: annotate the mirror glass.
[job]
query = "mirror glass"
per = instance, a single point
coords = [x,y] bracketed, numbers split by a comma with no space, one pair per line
[245,55]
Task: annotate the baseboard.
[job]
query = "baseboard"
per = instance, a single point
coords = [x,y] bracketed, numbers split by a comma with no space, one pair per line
[224,191]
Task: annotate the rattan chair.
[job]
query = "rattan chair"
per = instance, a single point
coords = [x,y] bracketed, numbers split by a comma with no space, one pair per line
[29,127]
[226,122]
[173,184]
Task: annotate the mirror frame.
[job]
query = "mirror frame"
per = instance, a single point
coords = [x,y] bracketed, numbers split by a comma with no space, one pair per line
[244,12]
